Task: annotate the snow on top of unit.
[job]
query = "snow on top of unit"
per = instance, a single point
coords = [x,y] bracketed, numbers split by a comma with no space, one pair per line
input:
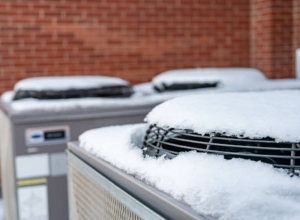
[272,114]
[7,96]
[144,95]
[62,83]
[225,189]
[30,105]
[273,84]
[224,76]
[144,88]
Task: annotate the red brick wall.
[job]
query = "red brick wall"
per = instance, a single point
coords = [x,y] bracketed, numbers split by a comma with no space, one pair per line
[297,23]
[132,39]
[272,37]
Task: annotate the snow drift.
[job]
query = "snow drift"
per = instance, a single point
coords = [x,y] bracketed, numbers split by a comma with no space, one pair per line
[234,189]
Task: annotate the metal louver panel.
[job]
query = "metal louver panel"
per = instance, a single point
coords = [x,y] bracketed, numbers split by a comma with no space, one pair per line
[93,197]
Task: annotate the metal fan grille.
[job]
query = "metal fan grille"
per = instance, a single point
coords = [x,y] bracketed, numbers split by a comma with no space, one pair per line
[161,141]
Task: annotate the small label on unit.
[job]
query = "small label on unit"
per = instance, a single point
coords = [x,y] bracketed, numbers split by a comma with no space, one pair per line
[33,202]
[31,166]
[32,182]
[58,164]
[47,135]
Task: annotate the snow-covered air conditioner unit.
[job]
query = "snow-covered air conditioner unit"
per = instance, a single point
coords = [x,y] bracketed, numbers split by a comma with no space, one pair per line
[38,119]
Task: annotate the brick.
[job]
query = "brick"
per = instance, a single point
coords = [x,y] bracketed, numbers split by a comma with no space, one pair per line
[41,6]
[65,35]
[52,13]
[43,21]
[20,21]
[10,42]
[8,12]
[30,13]
[31,28]
[44,35]
[22,50]
[9,28]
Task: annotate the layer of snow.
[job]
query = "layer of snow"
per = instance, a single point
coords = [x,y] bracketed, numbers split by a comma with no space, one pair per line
[7,97]
[234,189]
[254,114]
[60,105]
[144,95]
[223,76]
[273,84]
[62,83]
[144,89]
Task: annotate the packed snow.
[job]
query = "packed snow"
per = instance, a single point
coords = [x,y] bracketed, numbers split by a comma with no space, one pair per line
[234,189]
[260,85]
[222,76]
[273,84]
[60,105]
[144,89]
[272,114]
[62,83]
[144,95]
[7,97]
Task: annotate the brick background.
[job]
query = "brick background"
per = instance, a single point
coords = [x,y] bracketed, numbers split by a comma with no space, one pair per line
[297,24]
[132,39]
[272,37]
[137,39]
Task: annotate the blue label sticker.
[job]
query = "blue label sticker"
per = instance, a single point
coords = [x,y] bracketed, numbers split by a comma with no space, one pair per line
[36,136]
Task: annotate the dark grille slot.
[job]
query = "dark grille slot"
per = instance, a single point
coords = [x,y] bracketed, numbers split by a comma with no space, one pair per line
[184,86]
[105,92]
[161,141]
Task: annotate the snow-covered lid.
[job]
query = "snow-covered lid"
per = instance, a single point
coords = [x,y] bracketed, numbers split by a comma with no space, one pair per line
[144,89]
[63,83]
[222,76]
[224,189]
[33,105]
[272,114]
[273,84]
[71,87]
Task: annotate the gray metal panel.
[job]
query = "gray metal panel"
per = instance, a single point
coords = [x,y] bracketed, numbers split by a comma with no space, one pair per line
[152,198]
[77,127]
[101,198]
[7,167]
[75,114]
[58,164]
[6,109]
[58,198]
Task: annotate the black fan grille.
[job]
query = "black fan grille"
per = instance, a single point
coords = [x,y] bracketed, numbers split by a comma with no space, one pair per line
[184,86]
[161,141]
[105,92]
